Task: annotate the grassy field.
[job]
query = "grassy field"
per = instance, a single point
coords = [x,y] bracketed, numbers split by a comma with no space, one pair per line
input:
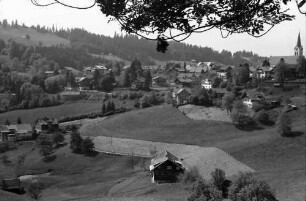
[78,176]
[279,160]
[19,34]
[64,110]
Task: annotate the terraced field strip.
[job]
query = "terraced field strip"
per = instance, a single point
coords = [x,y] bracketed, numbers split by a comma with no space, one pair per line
[206,159]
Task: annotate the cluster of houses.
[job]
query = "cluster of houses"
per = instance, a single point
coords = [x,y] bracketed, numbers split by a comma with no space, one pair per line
[20,132]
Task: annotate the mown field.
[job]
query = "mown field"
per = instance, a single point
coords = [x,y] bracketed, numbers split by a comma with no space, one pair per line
[75,176]
[279,160]
[19,34]
[64,110]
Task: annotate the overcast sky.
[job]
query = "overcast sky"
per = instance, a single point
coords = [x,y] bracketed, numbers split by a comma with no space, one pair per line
[280,41]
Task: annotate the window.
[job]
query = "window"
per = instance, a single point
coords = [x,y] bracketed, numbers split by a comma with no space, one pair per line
[169,167]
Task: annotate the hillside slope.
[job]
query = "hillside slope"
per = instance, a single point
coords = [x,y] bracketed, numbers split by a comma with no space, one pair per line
[19,35]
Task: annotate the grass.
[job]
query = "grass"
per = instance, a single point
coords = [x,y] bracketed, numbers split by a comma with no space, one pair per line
[64,110]
[19,34]
[279,160]
[76,176]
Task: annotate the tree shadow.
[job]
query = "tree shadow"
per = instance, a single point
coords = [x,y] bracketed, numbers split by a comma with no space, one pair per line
[92,154]
[252,127]
[294,134]
[268,123]
[49,159]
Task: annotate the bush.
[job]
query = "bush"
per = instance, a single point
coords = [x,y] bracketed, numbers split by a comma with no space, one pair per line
[190,176]
[4,147]
[87,146]
[35,189]
[262,117]
[76,141]
[58,138]
[201,190]
[245,187]
[284,124]
[258,106]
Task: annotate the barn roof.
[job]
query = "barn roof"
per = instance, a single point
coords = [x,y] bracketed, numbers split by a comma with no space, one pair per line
[163,157]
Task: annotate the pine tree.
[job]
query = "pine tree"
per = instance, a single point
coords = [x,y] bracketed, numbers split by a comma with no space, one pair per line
[19,120]
[284,124]
[103,109]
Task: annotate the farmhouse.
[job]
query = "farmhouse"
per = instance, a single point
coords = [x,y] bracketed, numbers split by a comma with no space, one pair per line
[251,98]
[181,95]
[159,80]
[16,132]
[166,167]
[46,125]
[11,184]
[206,83]
[138,83]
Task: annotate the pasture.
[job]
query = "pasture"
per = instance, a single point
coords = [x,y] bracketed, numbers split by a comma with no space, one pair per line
[205,113]
[19,35]
[64,110]
[278,160]
[99,177]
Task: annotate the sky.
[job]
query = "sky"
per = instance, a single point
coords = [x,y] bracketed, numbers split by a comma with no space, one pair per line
[280,41]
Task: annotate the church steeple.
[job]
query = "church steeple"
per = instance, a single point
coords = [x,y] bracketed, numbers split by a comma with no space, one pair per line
[298,50]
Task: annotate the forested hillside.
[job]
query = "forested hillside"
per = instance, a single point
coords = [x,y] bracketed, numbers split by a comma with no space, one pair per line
[128,47]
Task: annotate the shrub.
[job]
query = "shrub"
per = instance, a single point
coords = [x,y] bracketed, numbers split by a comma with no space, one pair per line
[87,146]
[190,176]
[245,187]
[262,117]
[4,147]
[35,189]
[58,138]
[201,190]
[76,141]
[218,178]
[258,106]
[283,124]
[5,160]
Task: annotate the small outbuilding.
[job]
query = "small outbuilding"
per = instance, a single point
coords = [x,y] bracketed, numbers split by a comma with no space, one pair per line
[166,167]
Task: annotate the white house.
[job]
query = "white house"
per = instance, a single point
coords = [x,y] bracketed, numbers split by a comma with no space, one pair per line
[206,84]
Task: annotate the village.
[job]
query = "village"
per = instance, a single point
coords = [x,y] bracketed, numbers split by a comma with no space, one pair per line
[152,100]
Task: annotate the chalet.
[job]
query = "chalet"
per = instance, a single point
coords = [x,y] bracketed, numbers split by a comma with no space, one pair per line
[185,80]
[139,83]
[46,125]
[166,167]
[5,133]
[261,72]
[159,80]
[17,132]
[11,185]
[222,72]
[196,69]
[206,83]
[49,73]
[181,95]
[220,92]
[84,82]
[252,97]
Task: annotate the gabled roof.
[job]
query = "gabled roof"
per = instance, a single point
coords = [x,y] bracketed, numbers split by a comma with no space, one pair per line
[163,157]
[292,60]
[183,89]
[24,127]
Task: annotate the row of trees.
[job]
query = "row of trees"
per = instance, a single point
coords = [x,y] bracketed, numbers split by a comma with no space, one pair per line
[245,187]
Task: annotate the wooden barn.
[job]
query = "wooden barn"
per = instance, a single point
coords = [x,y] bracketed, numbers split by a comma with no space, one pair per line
[166,167]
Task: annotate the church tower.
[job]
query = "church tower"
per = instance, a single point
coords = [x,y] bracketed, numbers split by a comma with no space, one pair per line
[298,50]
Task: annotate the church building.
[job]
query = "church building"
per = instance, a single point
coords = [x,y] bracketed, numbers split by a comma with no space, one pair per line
[292,62]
